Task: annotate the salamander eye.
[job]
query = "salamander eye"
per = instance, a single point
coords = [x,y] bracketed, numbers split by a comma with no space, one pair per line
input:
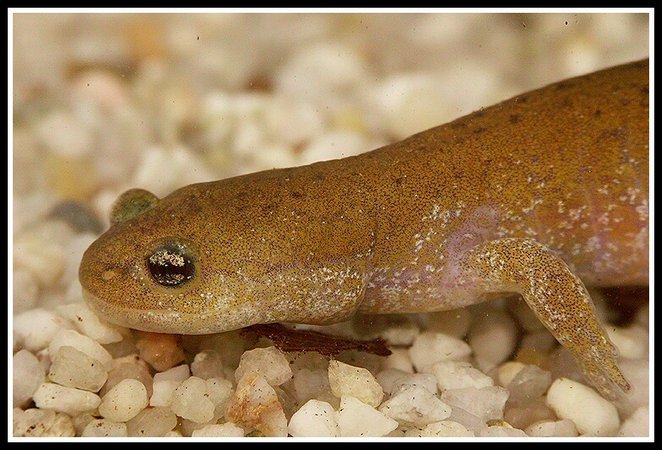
[171,264]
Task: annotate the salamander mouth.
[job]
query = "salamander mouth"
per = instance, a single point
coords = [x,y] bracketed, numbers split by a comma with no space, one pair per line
[163,321]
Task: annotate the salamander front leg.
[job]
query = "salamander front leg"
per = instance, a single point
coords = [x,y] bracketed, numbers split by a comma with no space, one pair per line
[558,298]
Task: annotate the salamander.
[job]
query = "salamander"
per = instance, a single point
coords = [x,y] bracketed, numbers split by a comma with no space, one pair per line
[540,195]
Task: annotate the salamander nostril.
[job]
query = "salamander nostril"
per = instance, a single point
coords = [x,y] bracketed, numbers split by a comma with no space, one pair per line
[171,265]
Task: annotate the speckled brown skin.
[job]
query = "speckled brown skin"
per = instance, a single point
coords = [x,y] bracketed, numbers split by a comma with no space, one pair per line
[533,195]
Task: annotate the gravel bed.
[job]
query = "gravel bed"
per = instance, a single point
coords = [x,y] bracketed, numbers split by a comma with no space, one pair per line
[106,102]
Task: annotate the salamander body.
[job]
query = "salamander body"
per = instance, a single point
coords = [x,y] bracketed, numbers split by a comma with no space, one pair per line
[539,195]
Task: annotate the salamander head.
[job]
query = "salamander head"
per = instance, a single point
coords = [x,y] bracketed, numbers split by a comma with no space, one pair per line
[149,272]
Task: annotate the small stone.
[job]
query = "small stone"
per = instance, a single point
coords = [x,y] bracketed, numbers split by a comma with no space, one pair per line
[357,382]
[165,383]
[424,380]
[458,375]
[81,420]
[431,347]
[500,431]
[445,428]
[190,401]
[414,405]
[81,343]
[551,428]
[269,362]
[636,425]
[35,422]
[631,342]
[154,422]
[507,371]
[27,377]
[207,364]
[130,366]
[592,414]
[89,324]
[486,403]
[219,391]
[399,359]
[530,382]
[521,414]
[124,401]
[314,419]
[161,351]
[255,405]
[454,323]
[35,329]
[492,337]
[356,418]
[636,371]
[387,378]
[44,259]
[105,428]
[309,383]
[65,399]
[73,368]
[227,429]
[26,290]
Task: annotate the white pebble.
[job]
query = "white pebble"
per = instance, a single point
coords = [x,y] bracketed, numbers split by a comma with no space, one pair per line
[356,418]
[458,374]
[27,377]
[89,323]
[219,391]
[309,383]
[531,382]
[227,429]
[104,428]
[207,364]
[255,405]
[631,342]
[269,362]
[550,428]
[485,403]
[61,133]
[399,359]
[499,431]
[507,371]
[492,336]
[73,368]
[190,401]
[152,422]
[35,329]
[44,259]
[26,290]
[424,380]
[454,323]
[333,145]
[387,378]
[445,428]
[592,414]
[314,419]
[636,424]
[414,405]
[357,382]
[65,399]
[637,373]
[431,347]
[124,401]
[35,422]
[165,383]
[82,343]
[411,102]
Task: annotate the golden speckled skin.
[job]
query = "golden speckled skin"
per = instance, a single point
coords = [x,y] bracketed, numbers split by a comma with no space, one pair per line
[533,195]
